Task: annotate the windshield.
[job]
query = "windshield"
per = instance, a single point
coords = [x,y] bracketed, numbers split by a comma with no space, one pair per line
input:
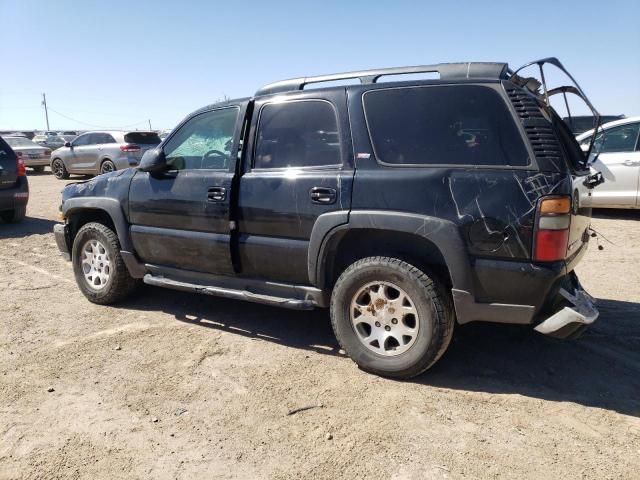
[19,142]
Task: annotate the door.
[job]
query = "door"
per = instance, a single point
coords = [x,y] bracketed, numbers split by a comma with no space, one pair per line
[180,218]
[619,163]
[298,166]
[77,159]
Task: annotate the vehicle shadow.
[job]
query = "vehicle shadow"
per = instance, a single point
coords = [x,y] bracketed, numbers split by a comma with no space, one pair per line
[616,214]
[29,226]
[600,369]
[307,330]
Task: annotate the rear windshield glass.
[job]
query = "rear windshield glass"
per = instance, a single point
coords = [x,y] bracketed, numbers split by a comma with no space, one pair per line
[6,153]
[19,142]
[143,138]
[443,125]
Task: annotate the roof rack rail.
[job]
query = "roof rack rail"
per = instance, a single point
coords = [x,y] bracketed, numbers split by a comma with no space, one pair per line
[447,71]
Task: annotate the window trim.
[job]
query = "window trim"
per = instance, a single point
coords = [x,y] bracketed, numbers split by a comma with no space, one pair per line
[332,166]
[165,142]
[498,91]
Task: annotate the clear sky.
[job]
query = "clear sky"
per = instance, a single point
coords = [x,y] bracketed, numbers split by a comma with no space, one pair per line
[118,63]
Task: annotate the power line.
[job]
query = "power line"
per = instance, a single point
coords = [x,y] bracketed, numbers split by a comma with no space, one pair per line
[93,125]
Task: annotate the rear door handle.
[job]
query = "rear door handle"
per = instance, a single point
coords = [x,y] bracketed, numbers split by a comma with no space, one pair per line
[216,194]
[630,163]
[323,195]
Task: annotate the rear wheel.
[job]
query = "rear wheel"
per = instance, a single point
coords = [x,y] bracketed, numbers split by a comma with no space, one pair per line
[107,166]
[98,266]
[391,318]
[59,170]
[38,169]
[14,216]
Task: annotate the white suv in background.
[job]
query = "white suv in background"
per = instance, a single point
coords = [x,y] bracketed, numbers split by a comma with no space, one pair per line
[617,154]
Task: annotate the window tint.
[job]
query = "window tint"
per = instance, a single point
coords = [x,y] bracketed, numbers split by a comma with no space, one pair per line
[82,140]
[100,138]
[461,125]
[142,138]
[204,142]
[616,139]
[297,134]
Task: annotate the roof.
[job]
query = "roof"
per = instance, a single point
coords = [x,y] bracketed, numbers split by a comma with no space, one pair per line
[447,71]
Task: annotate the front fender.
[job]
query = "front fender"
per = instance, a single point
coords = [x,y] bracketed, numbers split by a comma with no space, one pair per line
[110,206]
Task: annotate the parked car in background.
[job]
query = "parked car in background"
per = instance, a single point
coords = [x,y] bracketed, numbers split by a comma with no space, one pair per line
[582,123]
[94,153]
[34,155]
[68,135]
[616,154]
[14,188]
[49,139]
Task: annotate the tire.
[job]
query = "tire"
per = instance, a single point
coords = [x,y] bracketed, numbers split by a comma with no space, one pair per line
[107,166]
[58,169]
[14,216]
[38,169]
[421,332]
[100,284]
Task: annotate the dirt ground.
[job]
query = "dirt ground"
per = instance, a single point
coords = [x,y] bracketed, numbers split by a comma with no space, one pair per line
[174,385]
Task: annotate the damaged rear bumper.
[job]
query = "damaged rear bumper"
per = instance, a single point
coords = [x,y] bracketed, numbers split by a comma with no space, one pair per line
[572,319]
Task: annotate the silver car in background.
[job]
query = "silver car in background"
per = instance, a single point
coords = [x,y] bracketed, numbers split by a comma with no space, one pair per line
[616,154]
[33,155]
[94,153]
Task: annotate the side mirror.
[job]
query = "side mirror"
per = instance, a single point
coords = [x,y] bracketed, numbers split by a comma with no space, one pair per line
[68,144]
[153,161]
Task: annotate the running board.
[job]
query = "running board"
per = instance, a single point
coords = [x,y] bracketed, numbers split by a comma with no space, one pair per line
[292,303]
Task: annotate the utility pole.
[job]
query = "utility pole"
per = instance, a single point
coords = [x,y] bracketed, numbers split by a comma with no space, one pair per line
[46,113]
[150,125]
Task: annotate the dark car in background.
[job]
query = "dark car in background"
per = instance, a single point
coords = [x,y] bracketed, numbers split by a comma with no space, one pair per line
[14,188]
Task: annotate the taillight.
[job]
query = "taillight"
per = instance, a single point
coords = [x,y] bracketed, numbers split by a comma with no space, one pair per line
[552,229]
[130,147]
[20,168]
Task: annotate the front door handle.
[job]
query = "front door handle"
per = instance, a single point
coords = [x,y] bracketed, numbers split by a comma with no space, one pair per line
[323,195]
[630,163]
[216,194]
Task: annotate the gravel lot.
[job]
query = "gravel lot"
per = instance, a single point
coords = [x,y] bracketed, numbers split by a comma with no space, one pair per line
[173,385]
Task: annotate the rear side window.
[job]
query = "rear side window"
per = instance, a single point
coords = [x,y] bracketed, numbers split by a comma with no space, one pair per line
[297,134]
[443,125]
[622,138]
[142,138]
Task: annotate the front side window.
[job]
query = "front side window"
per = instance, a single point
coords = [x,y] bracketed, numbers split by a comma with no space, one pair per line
[204,142]
[443,125]
[297,134]
[622,138]
[81,140]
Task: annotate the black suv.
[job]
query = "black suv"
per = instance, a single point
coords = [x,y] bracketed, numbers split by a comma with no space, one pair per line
[403,206]
[14,188]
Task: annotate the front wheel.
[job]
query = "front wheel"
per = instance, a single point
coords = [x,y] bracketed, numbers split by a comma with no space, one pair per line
[391,318]
[59,170]
[98,266]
